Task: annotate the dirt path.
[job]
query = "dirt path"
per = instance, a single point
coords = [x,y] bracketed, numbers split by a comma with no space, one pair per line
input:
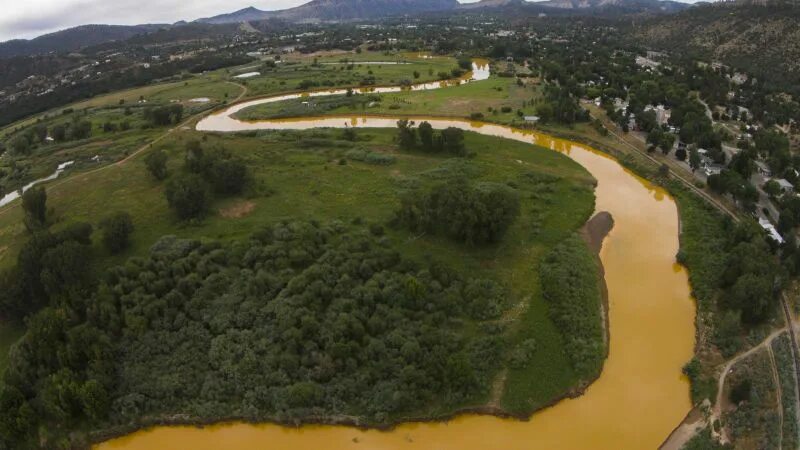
[778,393]
[138,151]
[716,412]
[697,420]
[792,323]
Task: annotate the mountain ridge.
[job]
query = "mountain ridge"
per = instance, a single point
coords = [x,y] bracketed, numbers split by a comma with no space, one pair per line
[337,10]
[72,39]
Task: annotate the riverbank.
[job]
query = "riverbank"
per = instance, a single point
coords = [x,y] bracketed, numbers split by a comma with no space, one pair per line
[594,234]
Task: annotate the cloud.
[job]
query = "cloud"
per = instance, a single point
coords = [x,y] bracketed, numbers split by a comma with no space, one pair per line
[30,18]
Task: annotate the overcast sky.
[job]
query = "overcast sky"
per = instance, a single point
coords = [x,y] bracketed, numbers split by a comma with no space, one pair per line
[25,19]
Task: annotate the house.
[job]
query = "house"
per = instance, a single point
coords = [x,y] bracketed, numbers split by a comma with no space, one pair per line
[786,187]
[763,168]
[643,62]
[712,169]
[770,229]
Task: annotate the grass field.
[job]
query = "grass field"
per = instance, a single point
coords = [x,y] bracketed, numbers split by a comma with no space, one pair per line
[307,175]
[331,71]
[487,97]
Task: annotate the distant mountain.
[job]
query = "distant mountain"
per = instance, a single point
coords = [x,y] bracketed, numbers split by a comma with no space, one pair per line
[577,7]
[243,15]
[492,4]
[655,6]
[73,39]
[338,11]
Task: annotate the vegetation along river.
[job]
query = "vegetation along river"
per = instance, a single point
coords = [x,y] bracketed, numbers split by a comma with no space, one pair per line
[641,394]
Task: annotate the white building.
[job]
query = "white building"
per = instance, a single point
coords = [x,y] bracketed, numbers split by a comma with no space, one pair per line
[770,229]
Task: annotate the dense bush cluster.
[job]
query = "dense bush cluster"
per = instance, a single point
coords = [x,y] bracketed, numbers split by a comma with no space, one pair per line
[570,288]
[164,115]
[50,267]
[474,214]
[449,140]
[206,172]
[560,105]
[25,142]
[753,278]
[300,320]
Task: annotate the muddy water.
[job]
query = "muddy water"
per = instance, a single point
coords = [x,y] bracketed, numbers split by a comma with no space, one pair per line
[641,394]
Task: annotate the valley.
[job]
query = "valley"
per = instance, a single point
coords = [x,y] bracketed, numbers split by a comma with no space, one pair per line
[388,224]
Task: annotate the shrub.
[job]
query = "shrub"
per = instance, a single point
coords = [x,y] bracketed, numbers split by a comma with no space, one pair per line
[474,215]
[116,232]
[34,203]
[156,163]
[189,196]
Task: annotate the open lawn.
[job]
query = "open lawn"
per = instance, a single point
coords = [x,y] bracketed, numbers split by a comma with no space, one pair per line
[309,176]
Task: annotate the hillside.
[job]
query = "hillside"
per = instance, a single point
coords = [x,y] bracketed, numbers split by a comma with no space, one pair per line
[763,40]
[655,6]
[73,39]
[338,10]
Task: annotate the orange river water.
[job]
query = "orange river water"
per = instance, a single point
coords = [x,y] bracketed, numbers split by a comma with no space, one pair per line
[641,394]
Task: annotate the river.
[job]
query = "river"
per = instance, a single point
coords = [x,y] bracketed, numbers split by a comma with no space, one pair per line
[641,394]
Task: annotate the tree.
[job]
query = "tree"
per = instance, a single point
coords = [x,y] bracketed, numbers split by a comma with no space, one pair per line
[349,134]
[116,232]
[58,133]
[663,170]
[228,176]
[94,399]
[189,196]
[453,141]
[694,158]
[164,115]
[196,160]
[406,135]
[80,129]
[156,163]
[786,222]
[426,136]
[64,268]
[20,145]
[680,154]
[34,203]
[772,188]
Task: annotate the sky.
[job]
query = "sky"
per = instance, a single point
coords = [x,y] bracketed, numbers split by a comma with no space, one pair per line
[25,19]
